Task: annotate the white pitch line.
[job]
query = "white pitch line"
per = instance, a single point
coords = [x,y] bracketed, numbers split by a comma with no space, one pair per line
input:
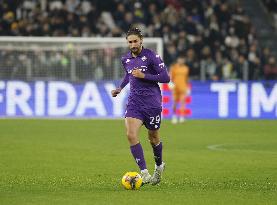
[216,147]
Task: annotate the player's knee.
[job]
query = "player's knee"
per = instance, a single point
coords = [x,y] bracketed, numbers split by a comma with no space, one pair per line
[132,137]
[153,138]
[154,141]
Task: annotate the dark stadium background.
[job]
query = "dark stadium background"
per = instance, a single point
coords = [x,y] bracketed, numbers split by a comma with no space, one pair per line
[62,136]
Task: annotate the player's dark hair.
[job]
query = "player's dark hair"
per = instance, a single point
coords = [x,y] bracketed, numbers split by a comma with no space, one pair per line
[134,31]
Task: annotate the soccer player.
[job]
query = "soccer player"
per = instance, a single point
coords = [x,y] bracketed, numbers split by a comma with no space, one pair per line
[179,73]
[144,69]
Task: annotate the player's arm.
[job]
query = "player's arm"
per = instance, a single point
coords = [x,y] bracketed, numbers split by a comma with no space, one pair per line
[123,83]
[161,77]
[161,70]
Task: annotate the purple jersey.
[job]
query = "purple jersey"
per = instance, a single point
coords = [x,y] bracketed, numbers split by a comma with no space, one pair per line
[144,93]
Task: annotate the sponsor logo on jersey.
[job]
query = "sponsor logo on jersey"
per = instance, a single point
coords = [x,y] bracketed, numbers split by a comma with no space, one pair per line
[142,68]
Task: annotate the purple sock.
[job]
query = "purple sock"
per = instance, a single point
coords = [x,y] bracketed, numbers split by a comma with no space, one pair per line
[137,153]
[157,150]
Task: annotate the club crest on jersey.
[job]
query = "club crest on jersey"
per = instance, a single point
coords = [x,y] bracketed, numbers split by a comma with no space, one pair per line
[127,61]
[143,58]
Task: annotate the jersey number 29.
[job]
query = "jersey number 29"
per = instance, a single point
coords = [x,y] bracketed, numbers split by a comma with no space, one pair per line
[155,120]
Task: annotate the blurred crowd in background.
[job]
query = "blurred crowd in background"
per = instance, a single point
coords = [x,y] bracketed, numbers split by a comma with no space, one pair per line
[216,36]
[271,6]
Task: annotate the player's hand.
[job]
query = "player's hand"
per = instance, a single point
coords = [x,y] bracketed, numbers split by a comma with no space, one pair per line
[138,74]
[171,85]
[115,92]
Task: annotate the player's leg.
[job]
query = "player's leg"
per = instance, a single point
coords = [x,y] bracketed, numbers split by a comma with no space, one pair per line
[174,119]
[153,122]
[132,128]
[154,139]
[182,106]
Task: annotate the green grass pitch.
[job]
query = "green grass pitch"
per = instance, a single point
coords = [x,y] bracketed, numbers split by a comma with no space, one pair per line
[82,162]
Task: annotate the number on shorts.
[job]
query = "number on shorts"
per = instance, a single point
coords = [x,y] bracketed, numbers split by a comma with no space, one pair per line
[154,120]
